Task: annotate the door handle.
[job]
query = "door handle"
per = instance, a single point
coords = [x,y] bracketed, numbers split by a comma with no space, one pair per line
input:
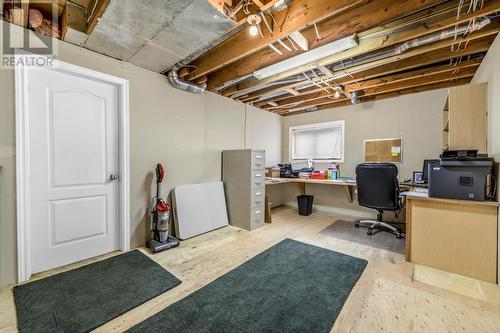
[113,177]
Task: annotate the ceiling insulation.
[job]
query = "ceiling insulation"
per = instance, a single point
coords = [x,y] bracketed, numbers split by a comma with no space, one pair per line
[155,34]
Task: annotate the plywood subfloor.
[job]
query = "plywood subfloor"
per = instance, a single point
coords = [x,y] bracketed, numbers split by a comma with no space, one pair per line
[384,299]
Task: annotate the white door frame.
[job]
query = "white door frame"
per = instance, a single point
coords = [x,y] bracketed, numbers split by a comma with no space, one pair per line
[22,157]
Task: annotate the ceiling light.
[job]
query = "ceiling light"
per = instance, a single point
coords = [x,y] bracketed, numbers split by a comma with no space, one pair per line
[337,93]
[254,21]
[254,30]
[306,58]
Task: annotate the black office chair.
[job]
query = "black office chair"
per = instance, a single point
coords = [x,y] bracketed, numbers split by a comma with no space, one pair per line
[378,188]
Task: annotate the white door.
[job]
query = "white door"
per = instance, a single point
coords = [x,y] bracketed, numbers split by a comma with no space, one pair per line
[73,158]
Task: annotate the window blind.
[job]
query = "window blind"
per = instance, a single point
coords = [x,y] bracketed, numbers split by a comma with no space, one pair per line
[318,143]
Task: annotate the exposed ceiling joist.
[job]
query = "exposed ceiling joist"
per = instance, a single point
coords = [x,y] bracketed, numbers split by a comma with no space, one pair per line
[356,20]
[395,82]
[375,44]
[392,94]
[488,31]
[299,14]
[469,66]
[384,74]
[429,58]
[99,8]
[411,83]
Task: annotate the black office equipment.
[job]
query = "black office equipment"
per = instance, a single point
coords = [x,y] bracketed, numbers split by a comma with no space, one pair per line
[286,171]
[463,175]
[425,170]
[378,188]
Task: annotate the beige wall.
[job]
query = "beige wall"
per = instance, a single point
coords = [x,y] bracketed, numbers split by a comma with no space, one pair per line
[416,118]
[186,132]
[489,72]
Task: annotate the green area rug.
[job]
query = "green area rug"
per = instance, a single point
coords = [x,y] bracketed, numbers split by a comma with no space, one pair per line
[291,287]
[87,297]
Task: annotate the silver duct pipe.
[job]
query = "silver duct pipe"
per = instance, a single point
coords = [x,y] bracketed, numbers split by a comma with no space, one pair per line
[341,69]
[478,25]
[354,97]
[280,5]
[292,79]
[176,82]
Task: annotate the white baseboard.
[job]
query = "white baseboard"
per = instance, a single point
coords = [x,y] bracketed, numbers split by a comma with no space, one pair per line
[337,210]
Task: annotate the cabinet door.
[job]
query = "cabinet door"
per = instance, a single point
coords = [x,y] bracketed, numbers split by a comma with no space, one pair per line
[467,112]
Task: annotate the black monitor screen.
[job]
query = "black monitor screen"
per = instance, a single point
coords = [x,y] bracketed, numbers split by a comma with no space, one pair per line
[425,171]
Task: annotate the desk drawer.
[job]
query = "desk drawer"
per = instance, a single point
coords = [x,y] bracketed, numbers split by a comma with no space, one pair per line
[257,217]
[258,178]
[258,160]
[259,192]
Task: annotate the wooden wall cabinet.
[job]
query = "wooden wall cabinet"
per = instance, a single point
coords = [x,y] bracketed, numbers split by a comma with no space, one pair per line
[465,118]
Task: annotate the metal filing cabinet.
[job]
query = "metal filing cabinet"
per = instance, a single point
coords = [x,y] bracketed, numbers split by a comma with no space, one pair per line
[244,177]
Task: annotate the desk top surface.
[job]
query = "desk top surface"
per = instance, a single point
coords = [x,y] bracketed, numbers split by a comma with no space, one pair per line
[425,197]
[272,181]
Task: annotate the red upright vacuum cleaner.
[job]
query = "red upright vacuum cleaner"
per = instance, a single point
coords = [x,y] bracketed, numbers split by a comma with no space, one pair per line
[160,218]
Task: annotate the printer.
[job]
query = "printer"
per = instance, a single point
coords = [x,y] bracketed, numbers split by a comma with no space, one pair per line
[462,174]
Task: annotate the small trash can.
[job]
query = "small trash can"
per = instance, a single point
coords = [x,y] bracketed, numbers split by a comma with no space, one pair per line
[305,203]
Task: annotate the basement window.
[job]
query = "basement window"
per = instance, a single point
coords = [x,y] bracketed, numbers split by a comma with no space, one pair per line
[322,142]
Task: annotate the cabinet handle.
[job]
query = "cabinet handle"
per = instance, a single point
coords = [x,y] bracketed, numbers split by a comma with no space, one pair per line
[257,201]
[258,194]
[257,212]
[259,157]
[258,175]
[258,183]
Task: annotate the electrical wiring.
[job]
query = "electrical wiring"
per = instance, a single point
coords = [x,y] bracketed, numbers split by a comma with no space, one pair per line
[317,31]
[92,12]
[292,43]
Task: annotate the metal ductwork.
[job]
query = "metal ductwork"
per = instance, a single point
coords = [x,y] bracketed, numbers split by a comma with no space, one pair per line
[354,97]
[442,35]
[176,82]
[280,5]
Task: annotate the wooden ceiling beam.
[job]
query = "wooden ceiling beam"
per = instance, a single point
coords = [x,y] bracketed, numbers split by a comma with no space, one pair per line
[353,21]
[100,7]
[486,35]
[20,12]
[298,15]
[420,73]
[382,96]
[411,82]
[407,64]
[443,54]
[374,44]
[424,28]
[315,92]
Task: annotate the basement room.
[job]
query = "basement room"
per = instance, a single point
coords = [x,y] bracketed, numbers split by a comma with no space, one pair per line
[249,166]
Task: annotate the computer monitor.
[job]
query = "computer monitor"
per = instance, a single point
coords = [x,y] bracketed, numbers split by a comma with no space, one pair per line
[425,171]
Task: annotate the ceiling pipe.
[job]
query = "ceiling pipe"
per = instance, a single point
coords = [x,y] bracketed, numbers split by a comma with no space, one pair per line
[354,97]
[280,5]
[176,82]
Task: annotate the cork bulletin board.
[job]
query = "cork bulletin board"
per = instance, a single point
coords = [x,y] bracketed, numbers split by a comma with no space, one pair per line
[384,150]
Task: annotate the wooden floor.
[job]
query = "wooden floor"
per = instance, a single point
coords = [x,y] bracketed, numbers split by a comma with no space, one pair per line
[385,298]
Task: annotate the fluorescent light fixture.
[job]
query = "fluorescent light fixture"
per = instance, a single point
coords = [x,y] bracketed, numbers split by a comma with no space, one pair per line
[305,59]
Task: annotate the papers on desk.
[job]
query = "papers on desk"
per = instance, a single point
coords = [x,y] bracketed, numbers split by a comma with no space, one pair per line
[415,194]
